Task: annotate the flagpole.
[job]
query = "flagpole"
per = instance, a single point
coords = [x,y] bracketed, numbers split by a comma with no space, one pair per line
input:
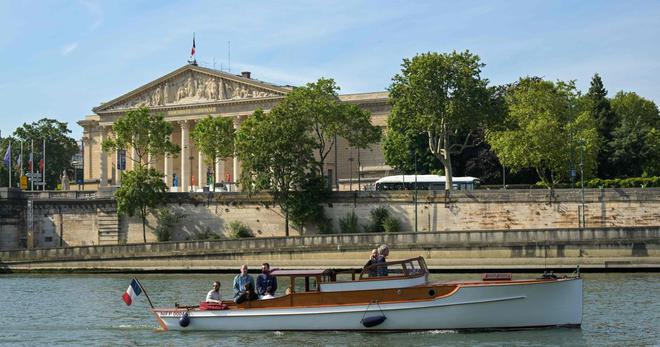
[145,292]
[31,164]
[9,167]
[43,170]
[21,160]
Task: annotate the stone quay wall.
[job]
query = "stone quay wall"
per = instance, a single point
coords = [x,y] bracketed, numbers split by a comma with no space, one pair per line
[559,249]
[80,218]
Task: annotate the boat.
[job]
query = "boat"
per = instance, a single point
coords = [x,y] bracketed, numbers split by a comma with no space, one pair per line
[391,296]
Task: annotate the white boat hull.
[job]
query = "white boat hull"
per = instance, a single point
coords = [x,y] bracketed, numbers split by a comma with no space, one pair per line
[497,306]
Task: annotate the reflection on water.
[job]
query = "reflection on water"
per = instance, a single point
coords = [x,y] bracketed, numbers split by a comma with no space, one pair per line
[619,309]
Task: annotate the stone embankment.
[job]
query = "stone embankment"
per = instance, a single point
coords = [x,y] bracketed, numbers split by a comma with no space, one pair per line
[598,249]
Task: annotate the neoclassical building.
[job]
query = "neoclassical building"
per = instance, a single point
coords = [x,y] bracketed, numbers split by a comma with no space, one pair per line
[191,93]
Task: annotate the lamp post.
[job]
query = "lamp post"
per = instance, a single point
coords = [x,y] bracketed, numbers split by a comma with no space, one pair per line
[415,189]
[350,170]
[359,171]
[581,143]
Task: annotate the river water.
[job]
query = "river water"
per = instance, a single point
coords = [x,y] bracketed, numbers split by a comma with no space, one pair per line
[620,309]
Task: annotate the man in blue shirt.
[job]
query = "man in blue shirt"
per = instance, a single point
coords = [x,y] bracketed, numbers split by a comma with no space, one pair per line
[241,280]
[266,284]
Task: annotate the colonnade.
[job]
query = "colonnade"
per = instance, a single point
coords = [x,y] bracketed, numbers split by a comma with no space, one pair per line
[188,179]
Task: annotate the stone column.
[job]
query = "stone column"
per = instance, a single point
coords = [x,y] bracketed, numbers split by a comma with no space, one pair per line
[201,172]
[237,124]
[218,173]
[117,171]
[103,167]
[167,168]
[184,177]
[87,165]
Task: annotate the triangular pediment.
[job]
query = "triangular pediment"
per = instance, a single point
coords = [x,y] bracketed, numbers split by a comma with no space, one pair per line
[191,85]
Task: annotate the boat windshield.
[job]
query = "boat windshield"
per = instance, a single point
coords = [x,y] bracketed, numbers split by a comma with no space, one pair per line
[403,268]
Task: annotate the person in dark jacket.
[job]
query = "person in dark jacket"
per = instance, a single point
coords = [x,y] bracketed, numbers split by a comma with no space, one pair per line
[266,283]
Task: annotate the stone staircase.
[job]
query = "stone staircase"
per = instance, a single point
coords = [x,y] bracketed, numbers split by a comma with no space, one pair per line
[108,226]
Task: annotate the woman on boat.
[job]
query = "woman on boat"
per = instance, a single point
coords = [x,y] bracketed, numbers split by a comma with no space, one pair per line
[383,252]
[372,260]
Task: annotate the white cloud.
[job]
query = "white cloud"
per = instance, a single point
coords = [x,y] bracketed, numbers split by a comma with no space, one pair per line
[68,48]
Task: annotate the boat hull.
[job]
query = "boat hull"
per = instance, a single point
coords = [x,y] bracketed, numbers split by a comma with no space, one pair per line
[473,306]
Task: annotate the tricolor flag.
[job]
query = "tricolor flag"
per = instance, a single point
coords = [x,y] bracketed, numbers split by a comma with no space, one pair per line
[7,158]
[192,51]
[133,290]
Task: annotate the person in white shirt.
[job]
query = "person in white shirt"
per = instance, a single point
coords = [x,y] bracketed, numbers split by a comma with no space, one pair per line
[214,294]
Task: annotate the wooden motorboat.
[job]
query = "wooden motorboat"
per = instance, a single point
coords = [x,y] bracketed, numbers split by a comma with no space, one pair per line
[391,296]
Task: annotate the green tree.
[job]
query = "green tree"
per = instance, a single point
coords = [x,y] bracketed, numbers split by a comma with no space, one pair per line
[444,97]
[276,153]
[60,148]
[146,133]
[214,136]
[538,128]
[318,106]
[606,121]
[635,140]
[140,190]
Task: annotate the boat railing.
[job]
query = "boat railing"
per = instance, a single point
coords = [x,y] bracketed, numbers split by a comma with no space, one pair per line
[413,267]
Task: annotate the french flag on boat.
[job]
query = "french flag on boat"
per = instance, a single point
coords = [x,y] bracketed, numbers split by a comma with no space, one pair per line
[133,290]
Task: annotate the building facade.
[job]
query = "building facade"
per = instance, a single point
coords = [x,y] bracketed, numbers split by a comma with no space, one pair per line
[191,93]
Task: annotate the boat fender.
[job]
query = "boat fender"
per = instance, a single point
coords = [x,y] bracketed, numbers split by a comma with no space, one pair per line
[184,321]
[369,322]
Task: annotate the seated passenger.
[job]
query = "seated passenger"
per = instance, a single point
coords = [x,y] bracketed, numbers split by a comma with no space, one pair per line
[372,260]
[266,283]
[383,252]
[214,294]
[241,280]
[247,295]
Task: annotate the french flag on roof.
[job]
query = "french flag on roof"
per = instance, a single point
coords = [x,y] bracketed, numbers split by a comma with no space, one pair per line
[133,290]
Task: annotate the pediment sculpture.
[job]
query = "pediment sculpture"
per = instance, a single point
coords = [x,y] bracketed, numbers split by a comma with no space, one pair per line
[191,88]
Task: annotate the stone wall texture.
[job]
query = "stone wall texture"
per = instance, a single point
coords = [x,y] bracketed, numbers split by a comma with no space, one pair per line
[89,218]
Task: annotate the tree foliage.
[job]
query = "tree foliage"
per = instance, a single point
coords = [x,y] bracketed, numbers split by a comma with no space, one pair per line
[443,97]
[635,144]
[60,148]
[141,189]
[606,121]
[214,136]
[146,133]
[318,107]
[276,153]
[542,131]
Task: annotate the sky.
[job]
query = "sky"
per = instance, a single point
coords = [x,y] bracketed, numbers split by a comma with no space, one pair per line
[59,59]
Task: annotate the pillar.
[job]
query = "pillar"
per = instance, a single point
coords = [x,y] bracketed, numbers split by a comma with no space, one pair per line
[237,123]
[103,167]
[184,177]
[167,168]
[201,171]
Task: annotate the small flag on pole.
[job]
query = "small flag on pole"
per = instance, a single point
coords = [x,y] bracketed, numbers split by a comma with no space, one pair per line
[7,158]
[133,290]
[192,51]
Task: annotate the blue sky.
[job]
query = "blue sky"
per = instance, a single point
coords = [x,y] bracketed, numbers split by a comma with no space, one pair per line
[59,59]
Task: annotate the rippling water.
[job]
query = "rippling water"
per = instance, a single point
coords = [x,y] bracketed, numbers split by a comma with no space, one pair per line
[64,310]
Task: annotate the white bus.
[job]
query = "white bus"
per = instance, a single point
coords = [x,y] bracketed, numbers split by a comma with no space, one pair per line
[425,182]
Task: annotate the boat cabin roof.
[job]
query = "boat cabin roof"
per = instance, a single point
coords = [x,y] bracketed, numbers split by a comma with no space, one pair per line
[312,272]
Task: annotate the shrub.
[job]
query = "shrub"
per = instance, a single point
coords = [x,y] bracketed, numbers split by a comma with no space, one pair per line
[166,221]
[632,182]
[238,230]
[349,224]
[206,235]
[325,225]
[378,216]
[391,225]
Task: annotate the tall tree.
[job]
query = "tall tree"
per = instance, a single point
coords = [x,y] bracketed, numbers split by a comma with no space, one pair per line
[634,144]
[214,136]
[60,147]
[276,153]
[606,121]
[444,97]
[140,189]
[317,104]
[145,133]
[538,130]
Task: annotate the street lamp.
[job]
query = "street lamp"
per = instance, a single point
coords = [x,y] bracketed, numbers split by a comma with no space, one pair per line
[350,169]
[581,144]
